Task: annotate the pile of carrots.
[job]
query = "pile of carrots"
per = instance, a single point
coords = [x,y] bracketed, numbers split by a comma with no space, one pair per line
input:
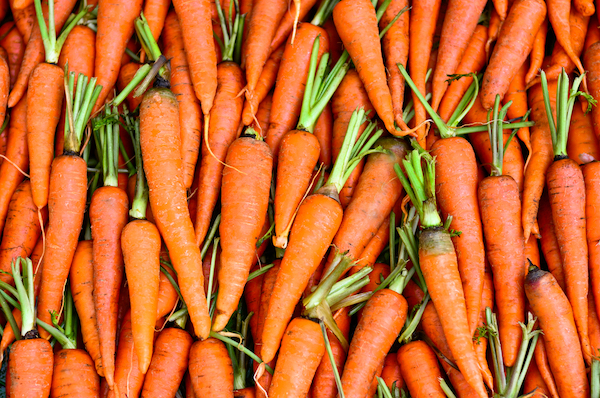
[300,198]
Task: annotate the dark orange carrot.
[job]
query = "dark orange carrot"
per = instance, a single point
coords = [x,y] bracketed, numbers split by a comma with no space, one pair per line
[375,246]
[591,61]
[420,370]
[30,367]
[582,144]
[167,295]
[244,201]
[24,19]
[459,24]
[115,27]
[517,93]
[189,107]
[222,132]
[159,123]
[126,74]
[541,361]
[70,364]
[494,27]
[391,372]
[79,51]
[593,33]
[169,363]
[534,382]
[536,57]
[324,133]
[514,44]
[336,47]
[549,243]
[210,369]
[554,313]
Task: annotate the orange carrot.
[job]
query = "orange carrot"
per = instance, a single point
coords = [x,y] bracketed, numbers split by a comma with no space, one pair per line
[549,243]
[24,19]
[420,370]
[517,93]
[156,12]
[592,182]
[287,22]
[559,12]
[591,60]
[582,144]
[79,51]
[210,369]
[536,58]
[534,382]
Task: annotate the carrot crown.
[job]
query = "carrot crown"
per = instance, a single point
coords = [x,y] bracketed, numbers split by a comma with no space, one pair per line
[419,185]
[231,45]
[52,45]
[25,294]
[140,201]
[106,134]
[353,150]
[495,131]
[79,106]
[565,99]
[67,335]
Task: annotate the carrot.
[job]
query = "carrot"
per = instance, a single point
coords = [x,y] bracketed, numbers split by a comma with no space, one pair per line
[420,370]
[459,24]
[451,170]
[495,24]
[302,337]
[391,372]
[514,44]
[24,19]
[473,60]
[262,26]
[517,93]
[481,342]
[126,74]
[424,15]
[591,59]
[34,52]
[79,51]
[287,22]
[291,78]
[18,153]
[592,182]
[559,12]
[74,374]
[438,261]
[395,49]
[265,82]
[115,27]
[566,190]
[536,57]
[336,47]
[324,133]
[500,208]
[22,229]
[169,363]
[181,85]
[578,26]
[534,382]
[582,144]
[380,323]
[4,84]
[156,13]
[541,361]
[356,24]
[541,157]
[551,307]
[160,143]
[81,282]
[593,33]
[210,369]
[594,325]
[167,295]
[548,241]
[222,132]
[375,246]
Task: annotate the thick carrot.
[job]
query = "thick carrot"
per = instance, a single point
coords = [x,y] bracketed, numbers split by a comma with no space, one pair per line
[115,27]
[552,308]
[391,373]
[79,51]
[456,187]
[30,366]
[424,15]
[210,369]
[559,12]
[74,375]
[34,52]
[395,49]
[82,287]
[263,23]
[181,85]
[24,19]
[291,81]
[302,349]
[155,12]
[244,202]
[459,24]
[356,24]
[265,82]
[160,142]
[514,44]
[420,370]
[18,153]
[22,229]
[541,157]
[473,60]
[169,363]
[222,132]
[536,57]
[582,144]
[140,242]
[592,198]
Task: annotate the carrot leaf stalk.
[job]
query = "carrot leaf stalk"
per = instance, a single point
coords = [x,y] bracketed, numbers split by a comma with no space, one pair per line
[595,379]
[510,388]
[140,200]
[67,336]
[241,347]
[231,28]
[26,295]
[238,357]
[495,132]
[52,45]
[446,388]
[336,373]
[451,130]
[565,100]
[106,132]
[211,235]
[79,105]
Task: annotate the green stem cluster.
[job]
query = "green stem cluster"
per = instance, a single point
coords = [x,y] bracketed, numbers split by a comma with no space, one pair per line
[231,45]
[79,105]
[106,134]
[140,201]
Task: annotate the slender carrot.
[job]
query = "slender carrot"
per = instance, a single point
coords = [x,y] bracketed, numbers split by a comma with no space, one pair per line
[549,243]
[559,12]
[534,382]
[582,144]
[591,59]
[420,370]
[324,133]
[536,57]
[592,182]
[517,93]
[156,12]
[541,361]
[494,27]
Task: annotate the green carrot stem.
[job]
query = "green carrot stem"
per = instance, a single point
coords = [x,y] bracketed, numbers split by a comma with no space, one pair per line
[155,71]
[595,379]
[11,319]
[259,272]
[139,76]
[410,328]
[447,390]
[496,135]
[323,12]
[231,29]
[79,104]
[26,294]
[213,262]
[336,374]
[496,349]
[140,201]
[240,347]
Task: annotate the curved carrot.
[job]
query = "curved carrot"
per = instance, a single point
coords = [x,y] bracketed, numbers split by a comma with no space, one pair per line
[14,45]
[551,307]
[286,25]
[244,202]
[514,44]
[559,12]
[222,132]
[582,144]
[356,24]
[459,24]
[423,21]
[74,374]
[169,363]
[420,370]
[210,369]
[182,87]
[159,123]
[115,27]
[536,58]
